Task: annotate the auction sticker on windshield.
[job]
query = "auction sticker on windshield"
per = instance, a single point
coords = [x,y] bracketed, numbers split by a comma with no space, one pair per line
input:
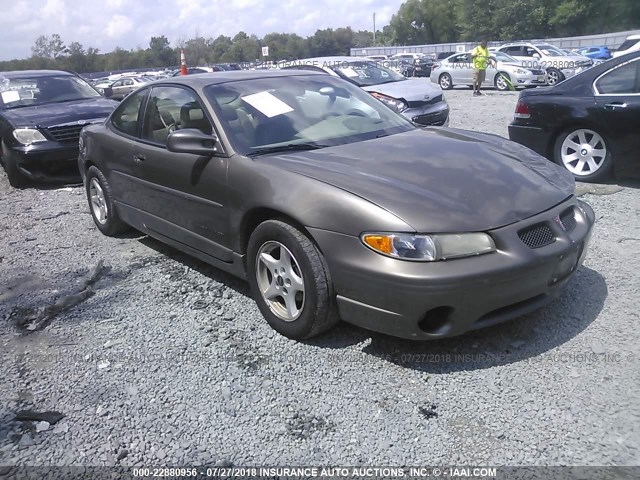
[10,96]
[267,104]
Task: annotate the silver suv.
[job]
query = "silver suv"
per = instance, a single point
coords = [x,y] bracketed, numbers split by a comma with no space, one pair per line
[557,64]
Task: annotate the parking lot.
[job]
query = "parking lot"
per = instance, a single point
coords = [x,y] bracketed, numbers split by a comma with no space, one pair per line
[169,361]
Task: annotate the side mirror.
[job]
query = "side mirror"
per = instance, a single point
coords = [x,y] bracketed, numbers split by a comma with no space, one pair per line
[536,55]
[192,140]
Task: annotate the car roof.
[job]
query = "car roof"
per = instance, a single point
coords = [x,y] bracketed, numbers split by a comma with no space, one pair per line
[633,37]
[214,78]
[34,73]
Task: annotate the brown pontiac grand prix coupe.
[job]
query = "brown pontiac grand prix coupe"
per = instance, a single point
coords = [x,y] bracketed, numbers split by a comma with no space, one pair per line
[333,206]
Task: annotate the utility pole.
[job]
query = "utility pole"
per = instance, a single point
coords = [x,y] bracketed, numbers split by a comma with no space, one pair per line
[374,29]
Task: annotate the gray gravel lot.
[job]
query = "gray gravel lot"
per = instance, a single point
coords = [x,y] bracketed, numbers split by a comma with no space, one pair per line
[170,362]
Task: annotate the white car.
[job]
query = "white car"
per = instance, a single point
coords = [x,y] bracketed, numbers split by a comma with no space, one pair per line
[556,63]
[631,44]
[458,70]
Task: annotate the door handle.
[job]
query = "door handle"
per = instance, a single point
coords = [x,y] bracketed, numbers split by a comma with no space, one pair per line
[139,158]
[613,106]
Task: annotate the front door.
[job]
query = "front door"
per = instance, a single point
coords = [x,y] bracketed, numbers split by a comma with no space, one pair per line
[184,195]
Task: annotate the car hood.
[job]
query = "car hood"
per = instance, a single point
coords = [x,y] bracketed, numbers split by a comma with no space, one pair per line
[411,89]
[60,113]
[439,180]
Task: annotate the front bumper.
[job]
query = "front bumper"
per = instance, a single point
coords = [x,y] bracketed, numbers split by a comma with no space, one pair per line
[530,81]
[429,115]
[47,162]
[424,301]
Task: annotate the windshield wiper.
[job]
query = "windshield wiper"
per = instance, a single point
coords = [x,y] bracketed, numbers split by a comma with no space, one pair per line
[292,147]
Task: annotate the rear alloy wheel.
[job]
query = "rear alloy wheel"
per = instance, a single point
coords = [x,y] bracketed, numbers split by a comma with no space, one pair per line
[101,204]
[503,81]
[445,81]
[290,281]
[554,76]
[584,153]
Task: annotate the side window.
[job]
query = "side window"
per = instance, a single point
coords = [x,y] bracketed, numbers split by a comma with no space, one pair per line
[172,108]
[528,51]
[128,82]
[621,80]
[117,83]
[127,115]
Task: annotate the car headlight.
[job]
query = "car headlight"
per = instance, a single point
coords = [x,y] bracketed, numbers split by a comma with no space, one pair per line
[394,103]
[27,136]
[429,248]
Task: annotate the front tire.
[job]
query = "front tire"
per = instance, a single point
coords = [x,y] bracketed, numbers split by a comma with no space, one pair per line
[554,76]
[290,281]
[101,204]
[445,81]
[584,153]
[502,82]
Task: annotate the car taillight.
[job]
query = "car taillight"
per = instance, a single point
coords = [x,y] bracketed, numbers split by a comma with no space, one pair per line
[522,110]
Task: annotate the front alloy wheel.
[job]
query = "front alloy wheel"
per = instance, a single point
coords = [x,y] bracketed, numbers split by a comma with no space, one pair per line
[502,82]
[280,281]
[290,280]
[554,76]
[446,83]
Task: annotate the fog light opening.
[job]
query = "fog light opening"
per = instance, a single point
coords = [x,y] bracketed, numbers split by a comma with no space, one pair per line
[437,321]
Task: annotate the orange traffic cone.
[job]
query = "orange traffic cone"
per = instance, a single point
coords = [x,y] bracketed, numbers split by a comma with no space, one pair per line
[183,63]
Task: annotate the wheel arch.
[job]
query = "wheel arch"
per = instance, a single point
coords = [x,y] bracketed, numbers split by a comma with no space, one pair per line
[255,216]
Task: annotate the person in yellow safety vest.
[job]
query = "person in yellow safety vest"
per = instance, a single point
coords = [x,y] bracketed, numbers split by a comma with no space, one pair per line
[481,59]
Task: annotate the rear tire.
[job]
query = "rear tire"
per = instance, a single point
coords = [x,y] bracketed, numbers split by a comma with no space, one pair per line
[584,153]
[101,204]
[15,177]
[290,281]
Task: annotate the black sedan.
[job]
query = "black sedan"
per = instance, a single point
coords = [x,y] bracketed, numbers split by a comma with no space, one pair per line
[589,123]
[41,115]
[332,205]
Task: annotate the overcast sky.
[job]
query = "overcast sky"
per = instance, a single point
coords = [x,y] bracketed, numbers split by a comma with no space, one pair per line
[105,24]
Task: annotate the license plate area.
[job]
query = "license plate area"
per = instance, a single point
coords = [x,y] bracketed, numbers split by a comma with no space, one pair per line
[567,264]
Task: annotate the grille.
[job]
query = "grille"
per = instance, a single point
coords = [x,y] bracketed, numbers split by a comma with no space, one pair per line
[537,72]
[65,133]
[536,236]
[421,103]
[568,219]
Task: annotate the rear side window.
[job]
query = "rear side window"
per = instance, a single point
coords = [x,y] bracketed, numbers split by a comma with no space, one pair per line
[127,116]
[624,79]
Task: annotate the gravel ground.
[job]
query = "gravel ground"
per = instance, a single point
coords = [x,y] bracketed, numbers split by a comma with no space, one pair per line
[168,361]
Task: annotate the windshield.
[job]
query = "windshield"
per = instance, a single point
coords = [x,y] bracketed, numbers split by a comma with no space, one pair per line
[550,51]
[306,111]
[27,92]
[503,57]
[364,74]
